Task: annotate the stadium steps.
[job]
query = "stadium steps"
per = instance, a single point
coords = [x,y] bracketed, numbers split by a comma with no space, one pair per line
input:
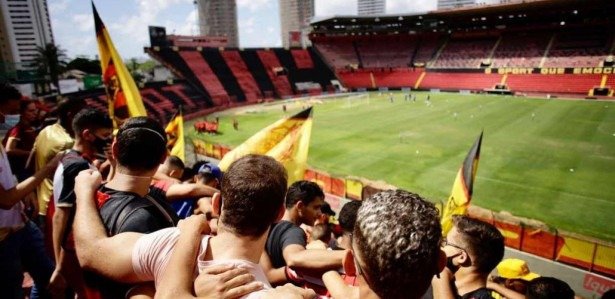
[566,83]
[287,61]
[546,53]
[321,71]
[179,94]
[386,51]
[170,57]
[258,72]
[224,74]
[276,73]
[428,46]
[520,50]
[242,74]
[355,48]
[206,77]
[302,58]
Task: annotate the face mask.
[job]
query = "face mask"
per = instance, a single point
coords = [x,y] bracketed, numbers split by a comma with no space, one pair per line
[10,120]
[101,144]
[450,265]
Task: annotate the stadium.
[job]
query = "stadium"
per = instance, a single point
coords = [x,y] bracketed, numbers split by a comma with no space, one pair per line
[399,99]
[537,77]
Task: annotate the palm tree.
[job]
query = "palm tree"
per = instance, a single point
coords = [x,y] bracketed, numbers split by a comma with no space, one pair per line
[51,62]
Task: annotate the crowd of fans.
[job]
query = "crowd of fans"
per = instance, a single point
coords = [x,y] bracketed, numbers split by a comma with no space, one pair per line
[92,214]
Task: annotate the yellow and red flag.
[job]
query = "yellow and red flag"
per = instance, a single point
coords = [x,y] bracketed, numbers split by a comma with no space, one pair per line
[122,93]
[287,141]
[175,135]
[461,195]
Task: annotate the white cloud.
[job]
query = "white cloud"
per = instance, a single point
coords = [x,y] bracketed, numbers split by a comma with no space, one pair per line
[83,22]
[336,7]
[247,25]
[58,6]
[254,5]
[410,6]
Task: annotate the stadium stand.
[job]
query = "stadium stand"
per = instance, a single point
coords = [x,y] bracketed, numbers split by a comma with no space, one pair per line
[160,99]
[464,81]
[302,58]
[386,51]
[170,58]
[276,73]
[564,83]
[243,75]
[224,74]
[339,52]
[464,53]
[258,72]
[206,77]
[582,47]
[521,49]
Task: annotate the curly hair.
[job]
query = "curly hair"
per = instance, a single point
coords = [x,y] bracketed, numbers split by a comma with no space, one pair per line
[397,234]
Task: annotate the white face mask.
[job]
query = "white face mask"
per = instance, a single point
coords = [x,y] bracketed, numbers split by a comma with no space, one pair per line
[10,120]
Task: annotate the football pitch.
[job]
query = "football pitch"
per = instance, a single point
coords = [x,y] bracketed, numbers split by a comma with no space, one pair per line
[550,160]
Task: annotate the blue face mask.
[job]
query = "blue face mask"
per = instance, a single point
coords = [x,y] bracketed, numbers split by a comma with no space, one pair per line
[10,120]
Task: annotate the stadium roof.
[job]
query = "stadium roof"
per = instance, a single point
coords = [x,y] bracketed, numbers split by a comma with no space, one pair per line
[526,13]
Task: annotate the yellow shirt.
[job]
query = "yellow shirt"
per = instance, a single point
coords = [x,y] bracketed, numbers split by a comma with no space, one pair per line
[49,142]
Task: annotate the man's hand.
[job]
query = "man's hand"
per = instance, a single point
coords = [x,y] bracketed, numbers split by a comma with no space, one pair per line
[225,282]
[87,181]
[289,291]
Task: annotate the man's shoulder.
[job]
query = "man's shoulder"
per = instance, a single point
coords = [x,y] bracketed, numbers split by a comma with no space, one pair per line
[73,158]
[284,227]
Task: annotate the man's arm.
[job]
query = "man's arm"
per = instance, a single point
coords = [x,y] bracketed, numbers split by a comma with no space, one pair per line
[60,220]
[12,150]
[13,195]
[108,256]
[275,276]
[191,190]
[299,258]
[337,287]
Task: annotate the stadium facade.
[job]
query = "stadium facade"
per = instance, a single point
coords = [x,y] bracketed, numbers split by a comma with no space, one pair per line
[371,7]
[295,17]
[219,18]
[24,26]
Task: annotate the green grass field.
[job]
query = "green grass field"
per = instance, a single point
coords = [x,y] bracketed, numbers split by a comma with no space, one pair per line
[550,160]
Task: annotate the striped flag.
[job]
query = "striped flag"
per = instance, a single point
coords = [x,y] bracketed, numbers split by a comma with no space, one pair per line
[122,93]
[461,195]
[287,141]
[175,135]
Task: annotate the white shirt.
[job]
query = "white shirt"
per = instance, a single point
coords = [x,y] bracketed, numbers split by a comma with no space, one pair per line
[11,217]
[152,253]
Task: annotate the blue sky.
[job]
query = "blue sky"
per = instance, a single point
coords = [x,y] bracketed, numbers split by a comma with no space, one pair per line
[127,21]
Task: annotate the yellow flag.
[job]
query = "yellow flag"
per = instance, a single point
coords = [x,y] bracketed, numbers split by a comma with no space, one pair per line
[461,195]
[287,141]
[175,135]
[122,93]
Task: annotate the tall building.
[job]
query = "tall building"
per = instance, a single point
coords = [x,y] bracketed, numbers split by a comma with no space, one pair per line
[219,18]
[371,7]
[442,4]
[24,26]
[295,16]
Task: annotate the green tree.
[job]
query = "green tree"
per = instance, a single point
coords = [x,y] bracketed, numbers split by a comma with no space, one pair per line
[50,61]
[85,65]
